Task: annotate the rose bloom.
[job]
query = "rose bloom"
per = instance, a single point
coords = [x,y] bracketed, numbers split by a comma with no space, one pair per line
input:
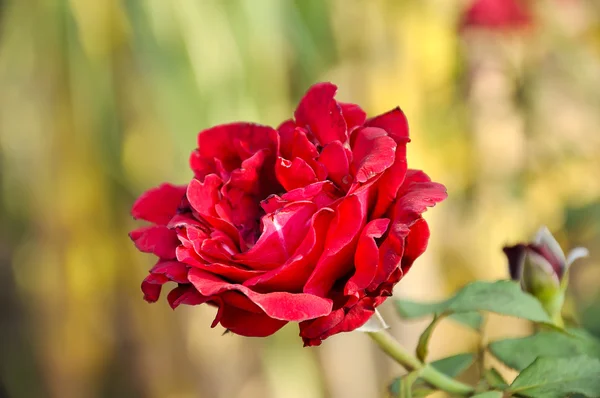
[496,14]
[313,222]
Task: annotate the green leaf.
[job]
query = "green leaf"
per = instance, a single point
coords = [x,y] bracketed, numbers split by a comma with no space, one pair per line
[488,394]
[495,379]
[502,297]
[521,352]
[450,366]
[471,319]
[559,377]
[409,309]
[422,346]
[454,365]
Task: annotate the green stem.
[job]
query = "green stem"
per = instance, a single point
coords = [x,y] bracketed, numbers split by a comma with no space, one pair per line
[428,373]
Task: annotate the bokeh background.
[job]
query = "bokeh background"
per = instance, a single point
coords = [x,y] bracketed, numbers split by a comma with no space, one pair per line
[100,100]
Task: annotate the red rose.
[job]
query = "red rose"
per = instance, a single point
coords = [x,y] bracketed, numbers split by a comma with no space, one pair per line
[496,14]
[314,222]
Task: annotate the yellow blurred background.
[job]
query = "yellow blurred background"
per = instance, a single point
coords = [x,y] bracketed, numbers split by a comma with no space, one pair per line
[101,100]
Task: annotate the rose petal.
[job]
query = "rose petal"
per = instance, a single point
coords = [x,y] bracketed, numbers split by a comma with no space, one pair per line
[320,113]
[282,233]
[366,257]
[294,174]
[353,115]
[174,270]
[286,138]
[156,239]
[315,332]
[152,285]
[302,147]
[333,157]
[204,195]
[390,182]
[278,305]
[322,194]
[390,253]
[341,240]
[292,276]
[231,272]
[547,246]
[415,243]
[235,142]
[249,324]
[374,151]
[394,123]
[185,294]
[311,330]
[159,204]
[415,195]
[516,258]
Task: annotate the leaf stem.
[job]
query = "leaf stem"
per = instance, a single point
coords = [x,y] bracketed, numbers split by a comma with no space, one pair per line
[394,350]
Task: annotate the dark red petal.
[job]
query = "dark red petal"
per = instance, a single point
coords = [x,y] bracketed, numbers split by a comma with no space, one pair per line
[286,137]
[320,113]
[353,114]
[282,233]
[374,151]
[333,157]
[185,294]
[415,243]
[416,193]
[312,330]
[516,260]
[152,285]
[292,276]
[236,141]
[248,324]
[173,270]
[294,174]
[322,194]
[357,316]
[159,204]
[302,147]
[204,195]
[218,247]
[366,257]
[394,123]
[231,272]
[278,305]
[156,239]
[390,253]
[272,203]
[228,228]
[390,182]
[247,177]
[341,240]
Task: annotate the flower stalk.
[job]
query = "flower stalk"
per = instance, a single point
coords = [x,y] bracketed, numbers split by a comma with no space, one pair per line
[394,350]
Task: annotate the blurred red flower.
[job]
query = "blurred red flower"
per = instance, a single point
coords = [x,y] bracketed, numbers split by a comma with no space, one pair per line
[314,222]
[496,14]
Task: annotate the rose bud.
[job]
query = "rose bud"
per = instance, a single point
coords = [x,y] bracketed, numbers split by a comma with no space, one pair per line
[313,222]
[496,15]
[542,269]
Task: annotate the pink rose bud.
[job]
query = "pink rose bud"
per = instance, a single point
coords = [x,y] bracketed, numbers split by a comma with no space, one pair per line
[541,267]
